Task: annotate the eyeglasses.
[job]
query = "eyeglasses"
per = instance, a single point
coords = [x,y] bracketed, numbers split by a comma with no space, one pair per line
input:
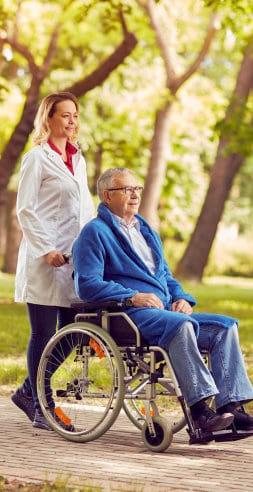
[128,190]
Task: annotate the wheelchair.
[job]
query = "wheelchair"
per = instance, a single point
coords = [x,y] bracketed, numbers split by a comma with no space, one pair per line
[98,366]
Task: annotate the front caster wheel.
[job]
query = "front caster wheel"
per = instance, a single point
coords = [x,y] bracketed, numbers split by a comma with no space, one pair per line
[163,437]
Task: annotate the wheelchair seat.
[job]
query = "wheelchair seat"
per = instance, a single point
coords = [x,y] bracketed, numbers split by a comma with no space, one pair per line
[117,325]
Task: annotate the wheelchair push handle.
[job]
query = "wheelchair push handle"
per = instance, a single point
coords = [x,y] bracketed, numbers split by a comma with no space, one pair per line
[67,257]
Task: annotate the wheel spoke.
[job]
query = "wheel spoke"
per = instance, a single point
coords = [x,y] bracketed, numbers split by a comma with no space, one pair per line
[85,388]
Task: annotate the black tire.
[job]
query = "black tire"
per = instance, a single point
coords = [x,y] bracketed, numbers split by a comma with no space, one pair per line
[81,382]
[163,437]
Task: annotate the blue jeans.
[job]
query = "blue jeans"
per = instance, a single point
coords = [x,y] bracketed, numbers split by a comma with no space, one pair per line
[228,381]
[43,323]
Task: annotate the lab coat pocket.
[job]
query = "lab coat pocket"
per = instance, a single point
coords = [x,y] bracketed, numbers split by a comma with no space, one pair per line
[40,279]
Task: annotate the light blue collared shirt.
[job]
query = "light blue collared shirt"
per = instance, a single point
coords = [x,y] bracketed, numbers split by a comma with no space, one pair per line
[133,234]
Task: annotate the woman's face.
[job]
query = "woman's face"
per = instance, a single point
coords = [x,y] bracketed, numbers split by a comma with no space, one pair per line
[64,121]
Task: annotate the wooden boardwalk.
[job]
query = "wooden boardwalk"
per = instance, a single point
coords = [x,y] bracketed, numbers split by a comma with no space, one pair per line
[119,461]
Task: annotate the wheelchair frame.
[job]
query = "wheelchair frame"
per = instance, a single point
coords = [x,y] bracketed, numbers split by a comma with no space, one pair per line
[93,368]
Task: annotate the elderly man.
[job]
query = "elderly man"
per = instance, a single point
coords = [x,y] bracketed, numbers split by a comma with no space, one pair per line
[118,256]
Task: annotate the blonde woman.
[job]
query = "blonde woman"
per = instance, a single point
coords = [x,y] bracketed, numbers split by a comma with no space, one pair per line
[53,203]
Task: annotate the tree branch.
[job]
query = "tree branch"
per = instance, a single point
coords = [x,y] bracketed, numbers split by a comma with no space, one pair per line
[123,23]
[148,6]
[36,70]
[98,76]
[16,21]
[51,49]
[211,31]
[174,82]
[24,51]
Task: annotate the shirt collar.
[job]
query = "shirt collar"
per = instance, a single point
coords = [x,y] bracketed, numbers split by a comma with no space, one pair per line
[134,222]
[70,148]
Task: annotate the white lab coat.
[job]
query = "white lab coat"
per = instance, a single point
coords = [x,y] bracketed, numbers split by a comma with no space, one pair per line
[52,206]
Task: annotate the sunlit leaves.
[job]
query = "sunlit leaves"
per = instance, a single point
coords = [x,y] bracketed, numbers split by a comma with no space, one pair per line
[236,14]
[118,117]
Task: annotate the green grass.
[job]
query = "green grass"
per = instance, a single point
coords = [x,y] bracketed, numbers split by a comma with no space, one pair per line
[14,329]
[231,296]
[6,287]
[59,485]
[14,324]
[14,336]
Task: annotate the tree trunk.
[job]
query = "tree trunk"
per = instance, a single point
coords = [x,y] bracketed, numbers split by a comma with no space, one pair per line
[18,139]
[194,260]
[157,168]
[13,234]
[159,148]
[2,232]
[226,166]
[97,168]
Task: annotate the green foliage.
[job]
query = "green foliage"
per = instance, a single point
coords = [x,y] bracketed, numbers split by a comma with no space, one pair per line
[238,129]
[117,119]
[3,89]
[239,208]
[237,15]
[239,7]
[122,139]
[231,257]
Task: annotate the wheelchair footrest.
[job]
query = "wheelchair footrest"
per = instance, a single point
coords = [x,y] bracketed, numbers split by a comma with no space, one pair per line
[200,437]
[231,435]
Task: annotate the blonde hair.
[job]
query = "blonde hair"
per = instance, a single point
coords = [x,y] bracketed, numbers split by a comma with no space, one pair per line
[46,110]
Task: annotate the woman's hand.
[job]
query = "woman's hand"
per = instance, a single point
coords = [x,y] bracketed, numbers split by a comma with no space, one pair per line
[182,306]
[55,258]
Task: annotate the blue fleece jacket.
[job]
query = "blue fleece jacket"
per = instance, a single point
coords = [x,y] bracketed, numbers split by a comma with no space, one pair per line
[107,267]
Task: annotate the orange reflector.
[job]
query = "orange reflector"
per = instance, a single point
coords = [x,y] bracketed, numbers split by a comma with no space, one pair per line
[93,344]
[62,416]
[143,411]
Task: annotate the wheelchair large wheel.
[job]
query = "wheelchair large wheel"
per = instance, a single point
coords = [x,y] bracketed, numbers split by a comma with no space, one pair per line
[163,437]
[165,405]
[81,382]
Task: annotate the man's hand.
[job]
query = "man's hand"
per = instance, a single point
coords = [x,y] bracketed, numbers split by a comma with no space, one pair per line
[147,300]
[55,258]
[182,306]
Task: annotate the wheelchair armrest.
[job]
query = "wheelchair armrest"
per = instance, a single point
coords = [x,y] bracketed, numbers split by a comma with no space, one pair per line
[84,307]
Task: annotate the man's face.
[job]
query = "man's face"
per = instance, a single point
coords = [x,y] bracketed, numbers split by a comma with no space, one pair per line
[121,203]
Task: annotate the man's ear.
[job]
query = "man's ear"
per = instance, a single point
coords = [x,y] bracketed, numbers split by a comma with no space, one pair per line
[106,196]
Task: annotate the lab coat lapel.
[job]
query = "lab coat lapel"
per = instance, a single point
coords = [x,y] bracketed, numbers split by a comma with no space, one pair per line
[56,158]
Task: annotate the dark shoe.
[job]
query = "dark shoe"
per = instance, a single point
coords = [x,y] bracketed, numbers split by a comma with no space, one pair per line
[40,421]
[24,402]
[242,420]
[210,421]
